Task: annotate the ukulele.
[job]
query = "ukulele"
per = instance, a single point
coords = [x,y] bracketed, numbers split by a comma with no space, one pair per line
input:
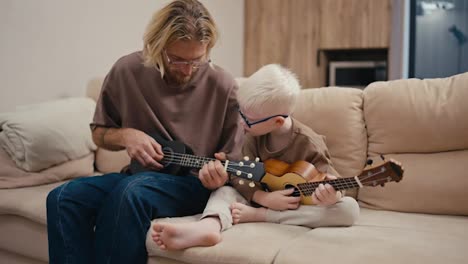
[179,159]
[280,175]
[273,174]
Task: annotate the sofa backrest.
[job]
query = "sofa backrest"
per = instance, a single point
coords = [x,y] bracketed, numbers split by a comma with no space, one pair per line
[421,123]
[424,125]
[106,161]
[337,114]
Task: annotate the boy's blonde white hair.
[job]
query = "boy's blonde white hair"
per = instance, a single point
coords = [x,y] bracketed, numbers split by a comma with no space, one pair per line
[271,90]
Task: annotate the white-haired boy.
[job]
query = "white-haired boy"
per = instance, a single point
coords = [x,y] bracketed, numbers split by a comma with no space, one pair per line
[266,101]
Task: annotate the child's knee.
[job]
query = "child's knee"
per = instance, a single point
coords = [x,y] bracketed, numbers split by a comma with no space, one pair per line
[226,191]
[349,209]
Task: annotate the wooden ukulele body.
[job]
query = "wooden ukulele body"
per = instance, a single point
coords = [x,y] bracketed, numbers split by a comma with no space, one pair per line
[281,175]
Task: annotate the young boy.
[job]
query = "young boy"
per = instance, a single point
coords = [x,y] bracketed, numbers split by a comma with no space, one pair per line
[266,102]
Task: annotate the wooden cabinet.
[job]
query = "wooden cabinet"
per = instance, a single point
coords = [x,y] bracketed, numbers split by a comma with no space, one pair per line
[355,24]
[291,32]
[284,32]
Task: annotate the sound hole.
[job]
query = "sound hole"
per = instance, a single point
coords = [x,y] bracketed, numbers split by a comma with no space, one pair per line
[168,156]
[296,192]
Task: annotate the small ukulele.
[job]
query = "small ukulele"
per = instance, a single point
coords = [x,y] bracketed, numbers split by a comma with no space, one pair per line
[280,175]
[179,159]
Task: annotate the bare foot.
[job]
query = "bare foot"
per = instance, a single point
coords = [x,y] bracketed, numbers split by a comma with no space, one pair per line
[205,232]
[242,213]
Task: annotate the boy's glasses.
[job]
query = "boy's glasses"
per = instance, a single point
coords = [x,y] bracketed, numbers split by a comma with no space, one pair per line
[250,124]
[195,64]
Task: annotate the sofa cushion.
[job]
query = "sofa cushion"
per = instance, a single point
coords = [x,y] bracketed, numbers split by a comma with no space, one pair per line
[23,236]
[41,135]
[27,202]
[244,243]
[337,114]
[424,122]
[12,258]
[383,237]
[417,116]
[432,183]
[93,88]
[13,177]
[111,161]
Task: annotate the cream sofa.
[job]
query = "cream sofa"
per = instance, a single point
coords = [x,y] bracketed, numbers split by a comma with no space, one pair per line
[422,219]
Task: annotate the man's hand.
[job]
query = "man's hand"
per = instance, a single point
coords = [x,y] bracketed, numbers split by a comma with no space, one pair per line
[326,195]
[213,175]
[143,148]
[277,200]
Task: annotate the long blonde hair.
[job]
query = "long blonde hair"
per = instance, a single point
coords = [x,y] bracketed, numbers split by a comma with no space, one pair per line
[181,19]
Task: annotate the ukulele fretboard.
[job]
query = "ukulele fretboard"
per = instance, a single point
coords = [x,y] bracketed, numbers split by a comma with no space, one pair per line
[308,188]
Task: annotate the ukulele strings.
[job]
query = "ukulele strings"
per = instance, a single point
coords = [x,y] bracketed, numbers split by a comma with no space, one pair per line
[192,160]
[309,188]
[341,184]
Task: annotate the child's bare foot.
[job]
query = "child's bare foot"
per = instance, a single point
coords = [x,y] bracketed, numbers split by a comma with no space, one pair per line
[242,213]
[205,232]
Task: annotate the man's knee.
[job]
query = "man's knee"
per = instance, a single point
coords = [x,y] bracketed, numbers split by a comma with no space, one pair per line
[132,189]
[53,198]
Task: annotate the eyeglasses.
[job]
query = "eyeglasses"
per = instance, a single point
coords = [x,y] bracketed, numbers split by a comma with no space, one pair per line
[250,124]
[195,64]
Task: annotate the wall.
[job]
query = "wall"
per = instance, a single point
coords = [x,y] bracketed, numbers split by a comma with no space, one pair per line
[52,48]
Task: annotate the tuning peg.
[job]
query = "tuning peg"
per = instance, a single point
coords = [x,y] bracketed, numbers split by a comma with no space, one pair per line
[249,175]
[252,165]
[251,184]
[246,158]
[257,159]
[241,182]
[241,163]
[238,173]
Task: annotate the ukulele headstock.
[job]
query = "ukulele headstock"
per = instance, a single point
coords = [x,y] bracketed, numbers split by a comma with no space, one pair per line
[252,171]
[389,171]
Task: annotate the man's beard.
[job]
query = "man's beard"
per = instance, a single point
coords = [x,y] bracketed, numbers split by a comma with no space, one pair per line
[179,78]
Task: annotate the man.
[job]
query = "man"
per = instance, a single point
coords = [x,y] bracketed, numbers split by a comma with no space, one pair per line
[170,88]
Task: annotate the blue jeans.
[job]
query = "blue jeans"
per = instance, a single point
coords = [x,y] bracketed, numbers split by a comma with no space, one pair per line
[104,219]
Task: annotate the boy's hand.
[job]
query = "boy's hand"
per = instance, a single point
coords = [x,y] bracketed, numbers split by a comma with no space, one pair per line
[277,200]
[213,175]
[326,195]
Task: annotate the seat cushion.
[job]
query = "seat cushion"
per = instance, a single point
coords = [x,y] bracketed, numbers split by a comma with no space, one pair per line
[23,236]
[29,202]
[12,258]
[383,237]
[244,243]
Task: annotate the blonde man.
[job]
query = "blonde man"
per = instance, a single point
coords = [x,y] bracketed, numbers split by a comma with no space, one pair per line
[267,100]
[167,89]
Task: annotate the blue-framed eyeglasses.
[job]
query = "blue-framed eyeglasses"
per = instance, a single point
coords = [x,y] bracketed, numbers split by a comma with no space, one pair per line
[195,64]
[250,124]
